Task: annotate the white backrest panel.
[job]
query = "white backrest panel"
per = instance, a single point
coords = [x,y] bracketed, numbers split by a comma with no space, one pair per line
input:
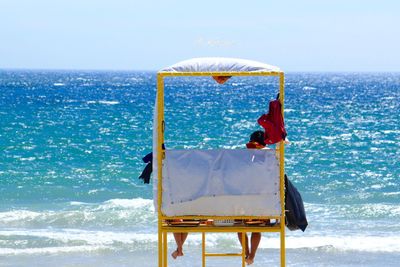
[193,178]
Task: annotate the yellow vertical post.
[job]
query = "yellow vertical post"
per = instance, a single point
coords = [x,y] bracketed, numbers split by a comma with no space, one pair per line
[165,248]
[243,249]
[282,174]
[160,138]
[203,249]
[160,239]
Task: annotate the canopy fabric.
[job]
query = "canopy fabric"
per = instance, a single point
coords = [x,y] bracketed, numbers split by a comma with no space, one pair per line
[227,182]
[220,64]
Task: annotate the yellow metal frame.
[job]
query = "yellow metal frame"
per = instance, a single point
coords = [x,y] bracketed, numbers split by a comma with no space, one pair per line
[164,229]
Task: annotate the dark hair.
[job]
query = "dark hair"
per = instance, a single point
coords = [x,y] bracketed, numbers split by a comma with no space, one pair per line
[258,136]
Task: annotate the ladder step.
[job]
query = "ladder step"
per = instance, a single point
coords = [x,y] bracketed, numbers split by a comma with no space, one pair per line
[223,254]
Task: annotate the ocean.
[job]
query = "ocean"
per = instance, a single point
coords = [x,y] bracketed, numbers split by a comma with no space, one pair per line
[71,144]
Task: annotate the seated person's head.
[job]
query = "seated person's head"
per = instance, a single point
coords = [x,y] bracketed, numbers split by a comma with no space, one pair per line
[256,140]
[257,136]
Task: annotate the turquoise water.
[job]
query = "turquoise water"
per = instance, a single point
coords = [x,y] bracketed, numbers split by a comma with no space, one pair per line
[72,142]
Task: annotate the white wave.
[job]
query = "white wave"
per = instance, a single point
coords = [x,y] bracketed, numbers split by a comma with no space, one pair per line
[66,236]
[82,79]
[76,203]
[28,159]
[347,243]
[391,131]
[116,212]
[138,215]
[18,215]
[129,203]
[29,147]
[329,137]
[308,88]
[135,79]
[94,240]
[48,250]
[93,191]
[105,102]
[391,194]
[58,84]
[365,243]
[351,211]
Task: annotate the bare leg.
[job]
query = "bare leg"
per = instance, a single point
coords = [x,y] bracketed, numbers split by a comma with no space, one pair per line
[255,241]
[180,240]
[246,241]
[183,239]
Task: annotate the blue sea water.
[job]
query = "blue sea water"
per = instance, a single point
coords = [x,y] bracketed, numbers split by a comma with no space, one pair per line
[71,144]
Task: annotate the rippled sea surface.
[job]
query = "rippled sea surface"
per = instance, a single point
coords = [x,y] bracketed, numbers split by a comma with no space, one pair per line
[71,145]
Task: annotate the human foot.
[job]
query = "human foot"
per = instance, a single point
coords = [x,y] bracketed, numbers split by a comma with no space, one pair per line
[249,260]
[175,254]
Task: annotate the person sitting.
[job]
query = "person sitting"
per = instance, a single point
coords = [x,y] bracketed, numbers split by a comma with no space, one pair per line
[256,142]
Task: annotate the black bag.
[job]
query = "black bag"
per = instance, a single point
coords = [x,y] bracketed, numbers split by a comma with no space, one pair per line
[294,208]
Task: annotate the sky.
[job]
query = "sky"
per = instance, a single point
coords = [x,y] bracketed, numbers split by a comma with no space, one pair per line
[308,35]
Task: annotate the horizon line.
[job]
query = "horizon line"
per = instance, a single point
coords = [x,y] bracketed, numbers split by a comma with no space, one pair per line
[148,70]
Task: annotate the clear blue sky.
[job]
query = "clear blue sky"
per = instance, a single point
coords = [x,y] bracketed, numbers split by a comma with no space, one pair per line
[315,35]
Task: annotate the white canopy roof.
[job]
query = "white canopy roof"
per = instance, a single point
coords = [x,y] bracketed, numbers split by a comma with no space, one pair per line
[220,64]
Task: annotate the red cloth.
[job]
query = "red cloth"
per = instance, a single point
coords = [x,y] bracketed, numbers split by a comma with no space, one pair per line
[254,145]
[273,123]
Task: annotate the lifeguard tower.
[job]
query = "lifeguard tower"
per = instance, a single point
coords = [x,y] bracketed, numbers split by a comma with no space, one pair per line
[213,184]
